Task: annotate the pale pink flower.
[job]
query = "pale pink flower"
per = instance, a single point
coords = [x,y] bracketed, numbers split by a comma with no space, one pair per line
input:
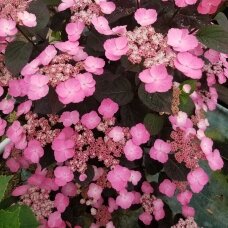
[15,132]
[110,225]
[101,25]
[98,172]
[146,218]
[160,151]
[61,202]
[184,197]
[107,7]
[94,191]
[147,188]
[20,190]
[87,83]
[31,68]
[90,120]
[215,160]
[34,151]
[139,134]
[7,105]
[3,124]
[181,40]
[132,151]
[69,118]
[28,19]
[189,65]
[24,107]
[7,28]
[108,108]
[94,65]
[69,47]
[118,177]
[145,17]
[65,4]
[116,134]
[125,199]
[184,3]
[167,188]
[197,179]
[69,189]
[188,211]
[55,220]
[115,48]
[135,177]
[112,205]
[63,175]
[212,55]
[80,55]
[206,145]
[74,30]
[156,79]
[47,55]
[208,6]
[1,91]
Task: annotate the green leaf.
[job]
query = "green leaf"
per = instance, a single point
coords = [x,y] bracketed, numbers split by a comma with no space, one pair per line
[214,37]
[154,123]
[9,219]
[128,66]
[192,83]
[39,8]
[222,20]
[119,89]
[52,2]
[186,104]
[17,55]
[222,93]
[4,181]
[158,102]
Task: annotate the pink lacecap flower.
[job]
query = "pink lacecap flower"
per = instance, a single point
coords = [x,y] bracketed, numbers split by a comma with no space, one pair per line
[98,172]
[118,177]
[101,25]
[94,191]
[87,83]
[146,218]
[188,211]
[70,91]
[80,55]
[1,91]
[69,118]
[63,145]
[90,120]
[34,151]
[115,48]
[181,40]
[145,17]
[13,165]
[3,124]
[116,134]
[55,220]
[94,65]
[184,197]
[69,47]
[156,79]
[65,5]
[158,211]
[160,151]
[20,190]
[108,108]
[31,68]
[197,179]
[208,6]
[107,7]
[184,3]
[47,55]
[139,134]
[112,205]
[189,65]
[167,188]
[61,202]
[137,197]
[110,225]
[147,188]
[7,28]
[206,145]
[28,19]
[16,88]
[125,199]
[215,160]
[135,177]
[212,55]
[132,151]
[37,86]
[63,175]
[7,150]
[74,30]
[24,107]
[7,105]
[69,189]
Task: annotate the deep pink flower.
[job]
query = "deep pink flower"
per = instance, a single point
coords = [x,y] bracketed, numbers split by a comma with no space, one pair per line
[181,40]
[1,91]
[74,30]
[28,19]
[24,107]
[31,68]
[116,134]
[189,65]
[206,145]
[7,28]
[69,189]
[215,160]
[147,188]
[160,151]
[108,108]
[139,134]
[94,65]
[188,211]
[13,165]
[156,79]
[184,197]
[212,55]
[94,191]
[135,177]
[63,175]
[34,151]
[90,120]
[7,105]
[208,6]
[3,124]
[112,205]
[69,118]
[55,220]
[87,83]
[20,190]
[184,3]
[145,17]
[47,55]
[132,151]
[125,199]
[146,218]
[167,188]
[61,202]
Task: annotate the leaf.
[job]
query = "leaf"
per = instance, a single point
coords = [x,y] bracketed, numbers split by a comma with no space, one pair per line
[214,37]
[186,104]
[158,102]
[52,2]
[59,20]
[128,66]
[4,181]
[154,123]
[218,129]
[95,41]
[39,8]
[9,219]
[222,93]
[49,104]
[119,90]
[17,55]
[222,20]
